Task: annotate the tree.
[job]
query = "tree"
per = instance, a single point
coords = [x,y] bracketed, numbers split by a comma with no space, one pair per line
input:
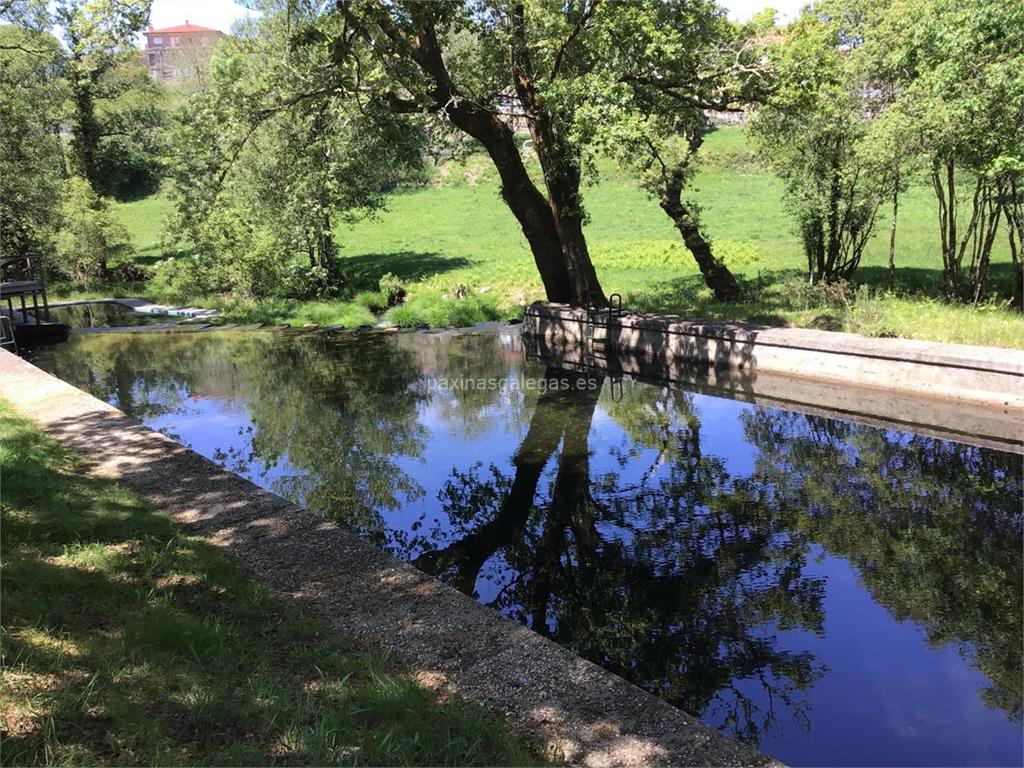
[273,154]
[89,234]
[97,35]
[31,101]
[131,114]
[811,130]
[112,109]
[891,146]
[515,49]
[964,88]
[661,67]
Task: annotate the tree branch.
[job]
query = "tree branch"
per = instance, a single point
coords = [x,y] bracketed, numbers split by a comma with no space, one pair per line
[581,22]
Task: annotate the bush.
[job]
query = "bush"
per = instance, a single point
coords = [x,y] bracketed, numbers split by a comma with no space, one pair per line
[302,281]
[335,313]
[392,288]
[801,294]
[181,279]
[404,316]
[89,234]
[127,272]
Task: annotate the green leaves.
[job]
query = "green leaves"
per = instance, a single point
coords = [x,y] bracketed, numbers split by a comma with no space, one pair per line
[275,152]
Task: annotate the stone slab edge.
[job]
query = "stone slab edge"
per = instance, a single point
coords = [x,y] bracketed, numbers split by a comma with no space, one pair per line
[144,307]
[984,375]
[568,708]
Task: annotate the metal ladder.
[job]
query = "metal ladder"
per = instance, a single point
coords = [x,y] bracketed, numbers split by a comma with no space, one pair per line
[7,333]
[595,347]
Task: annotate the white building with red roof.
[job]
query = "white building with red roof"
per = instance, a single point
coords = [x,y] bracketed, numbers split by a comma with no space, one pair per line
[180,54]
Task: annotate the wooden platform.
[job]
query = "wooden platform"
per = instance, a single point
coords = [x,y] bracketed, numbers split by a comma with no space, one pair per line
[27,286]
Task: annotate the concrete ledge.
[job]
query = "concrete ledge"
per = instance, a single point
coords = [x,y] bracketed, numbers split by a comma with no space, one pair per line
[983,376]
[145,307]
[968,423]
[565,706]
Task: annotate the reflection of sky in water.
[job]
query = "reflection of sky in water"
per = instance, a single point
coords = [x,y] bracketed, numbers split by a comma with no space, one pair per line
[887,697]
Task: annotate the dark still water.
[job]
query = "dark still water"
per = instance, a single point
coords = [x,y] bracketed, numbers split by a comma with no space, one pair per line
[104,314]
[838,593]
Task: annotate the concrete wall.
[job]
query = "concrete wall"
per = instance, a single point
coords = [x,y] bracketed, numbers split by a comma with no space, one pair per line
[965,393]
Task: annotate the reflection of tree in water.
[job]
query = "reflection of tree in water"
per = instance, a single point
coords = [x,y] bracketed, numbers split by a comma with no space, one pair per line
[128,370]
[670,585]
[341,413]
[470,410]
[934,528]
[340,410]
[677,579]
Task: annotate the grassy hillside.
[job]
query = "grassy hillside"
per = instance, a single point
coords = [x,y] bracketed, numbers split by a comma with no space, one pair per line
[457,234]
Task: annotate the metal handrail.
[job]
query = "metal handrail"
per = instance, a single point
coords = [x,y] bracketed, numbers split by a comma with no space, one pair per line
[27,260]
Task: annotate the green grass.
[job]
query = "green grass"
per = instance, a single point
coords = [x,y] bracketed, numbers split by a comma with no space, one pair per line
[126,642]
[457,234]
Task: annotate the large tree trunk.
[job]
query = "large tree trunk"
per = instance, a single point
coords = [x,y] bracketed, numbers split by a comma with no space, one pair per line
[517,188]
[553,228]
[85,130]
[562,179]
[521,196]
[561,172]
[716,275]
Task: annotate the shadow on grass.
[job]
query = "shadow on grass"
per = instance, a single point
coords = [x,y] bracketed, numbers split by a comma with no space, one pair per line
[919,281]
[688,296]
[366,270]
[127,642]
[773,297]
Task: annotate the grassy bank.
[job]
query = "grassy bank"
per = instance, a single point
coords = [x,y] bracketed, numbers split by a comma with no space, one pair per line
[126,642]
[456,238]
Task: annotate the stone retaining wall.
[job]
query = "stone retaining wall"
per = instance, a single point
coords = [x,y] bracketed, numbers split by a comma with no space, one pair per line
[986,379]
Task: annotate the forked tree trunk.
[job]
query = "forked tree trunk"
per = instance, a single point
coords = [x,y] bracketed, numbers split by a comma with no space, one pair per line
[561,172]
[552,227]
[518,191]
[522,197]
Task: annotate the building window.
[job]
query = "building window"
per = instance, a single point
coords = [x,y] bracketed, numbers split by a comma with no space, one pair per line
[174,41]
[157,41]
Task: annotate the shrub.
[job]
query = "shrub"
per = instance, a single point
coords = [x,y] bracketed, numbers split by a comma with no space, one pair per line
[335,313]
[392,288]
[302,281]
[89,234]
[181,279]
[127,272]
[439,312]
[404,316]
[800,294]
